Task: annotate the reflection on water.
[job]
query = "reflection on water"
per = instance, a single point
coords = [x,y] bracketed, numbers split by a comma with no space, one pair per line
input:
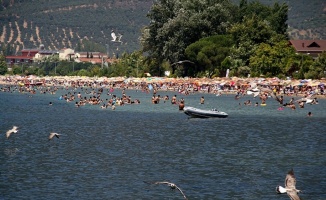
[106,154]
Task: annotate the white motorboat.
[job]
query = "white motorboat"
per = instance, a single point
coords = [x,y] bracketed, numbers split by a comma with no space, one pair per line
[200,113]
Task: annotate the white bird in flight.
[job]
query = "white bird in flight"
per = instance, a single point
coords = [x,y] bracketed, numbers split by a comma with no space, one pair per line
[290,189]
[54,134]
[115,38]
[171,185]
[13,130]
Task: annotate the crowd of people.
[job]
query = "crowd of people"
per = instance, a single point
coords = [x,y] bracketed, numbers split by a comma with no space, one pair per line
[93,92]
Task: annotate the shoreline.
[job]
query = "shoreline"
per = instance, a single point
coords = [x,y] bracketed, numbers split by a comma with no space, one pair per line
[224,86]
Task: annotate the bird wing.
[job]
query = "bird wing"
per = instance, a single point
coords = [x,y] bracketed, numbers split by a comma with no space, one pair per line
[301,100]
[253,85]
[185,61]
[268,90]
[158,182]
[57,135]
[274,96]
[120,36]
[8,133]
[290,180]
[181,192]
[278,99]
[114,37]
[169,184]
[52,135]
[293,195]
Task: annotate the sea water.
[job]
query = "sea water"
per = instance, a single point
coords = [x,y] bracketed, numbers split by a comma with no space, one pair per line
[108,154]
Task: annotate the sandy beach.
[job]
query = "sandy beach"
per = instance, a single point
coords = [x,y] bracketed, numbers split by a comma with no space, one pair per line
[182,85]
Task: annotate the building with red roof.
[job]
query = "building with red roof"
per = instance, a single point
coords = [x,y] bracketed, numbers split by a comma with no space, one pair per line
[309,47]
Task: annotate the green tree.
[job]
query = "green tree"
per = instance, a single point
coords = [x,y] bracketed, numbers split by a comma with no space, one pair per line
[261,61]
[3,65]
[131,65]
[284,59]
[16,69]
[319,66]
[208,55]
[273,60]
[174,25]
[247,35]
[278,18]
[95,70]
[83,72]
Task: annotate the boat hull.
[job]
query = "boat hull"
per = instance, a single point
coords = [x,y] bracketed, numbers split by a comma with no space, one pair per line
[199,113]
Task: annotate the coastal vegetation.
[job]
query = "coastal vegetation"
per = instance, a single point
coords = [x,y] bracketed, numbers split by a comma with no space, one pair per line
[247,38]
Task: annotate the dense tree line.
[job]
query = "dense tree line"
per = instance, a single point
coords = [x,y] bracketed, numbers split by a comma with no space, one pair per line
[216,35]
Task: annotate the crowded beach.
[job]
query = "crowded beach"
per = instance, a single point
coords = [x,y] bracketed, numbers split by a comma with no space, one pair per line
[300,91]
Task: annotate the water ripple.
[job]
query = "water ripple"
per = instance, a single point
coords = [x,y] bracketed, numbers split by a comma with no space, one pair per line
[105,154]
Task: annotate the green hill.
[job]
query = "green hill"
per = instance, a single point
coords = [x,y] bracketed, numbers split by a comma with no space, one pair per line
[60,23]
[306,19]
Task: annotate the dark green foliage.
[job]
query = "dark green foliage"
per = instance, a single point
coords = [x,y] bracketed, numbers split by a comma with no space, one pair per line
[278,18]
[3,66]
[276,15]
[306,19]
[208,54]
[176,24]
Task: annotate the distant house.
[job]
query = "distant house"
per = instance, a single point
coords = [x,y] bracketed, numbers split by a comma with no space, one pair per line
[90,55]
[43,54]
[26,56]
[93,57]
[309,47]
[29,56]
[67,54]
[36,55]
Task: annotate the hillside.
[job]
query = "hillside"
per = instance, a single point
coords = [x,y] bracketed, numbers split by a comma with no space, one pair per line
[306,19]
[61,23]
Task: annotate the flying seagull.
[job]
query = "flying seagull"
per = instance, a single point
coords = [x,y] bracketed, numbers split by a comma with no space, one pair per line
[13,130]
[115,38]
[171,185]
[182,61]
[54,134]
[289,186]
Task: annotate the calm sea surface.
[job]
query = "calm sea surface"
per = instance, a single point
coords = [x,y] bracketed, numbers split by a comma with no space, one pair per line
[105,154]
